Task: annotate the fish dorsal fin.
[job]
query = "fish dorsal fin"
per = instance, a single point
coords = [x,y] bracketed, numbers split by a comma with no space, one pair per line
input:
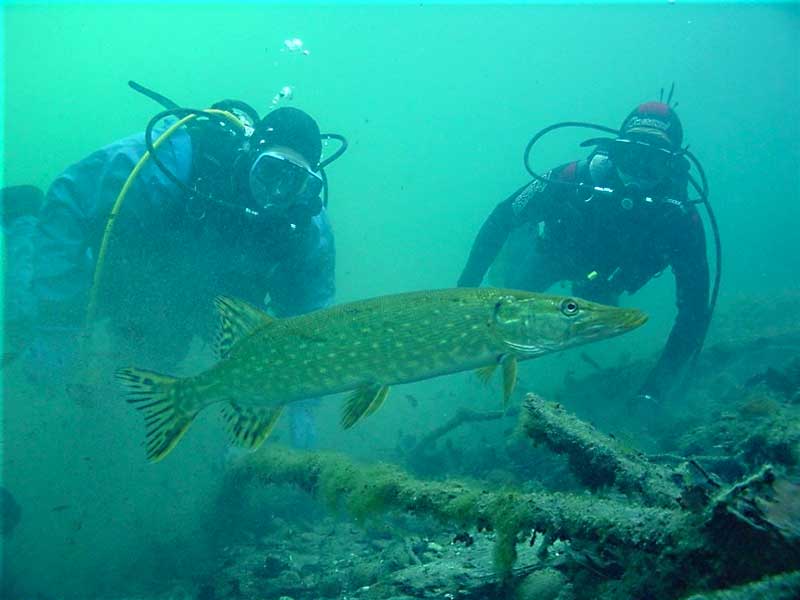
[237,319]
[363,402]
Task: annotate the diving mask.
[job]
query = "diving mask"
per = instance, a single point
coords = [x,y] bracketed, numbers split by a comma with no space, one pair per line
[280,180]
[642,160]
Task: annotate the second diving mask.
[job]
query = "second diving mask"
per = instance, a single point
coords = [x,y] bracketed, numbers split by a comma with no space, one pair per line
[278,180]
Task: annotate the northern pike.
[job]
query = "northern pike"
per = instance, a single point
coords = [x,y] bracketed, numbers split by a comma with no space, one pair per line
[362,347]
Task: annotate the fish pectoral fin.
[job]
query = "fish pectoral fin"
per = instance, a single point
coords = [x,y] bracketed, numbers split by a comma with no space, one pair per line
[237,319]
[382,394]
[509,362]
[159,398]
[363,402]
[485,373]
[249,426]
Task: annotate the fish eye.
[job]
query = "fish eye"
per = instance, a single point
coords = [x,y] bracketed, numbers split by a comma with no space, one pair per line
[569,307]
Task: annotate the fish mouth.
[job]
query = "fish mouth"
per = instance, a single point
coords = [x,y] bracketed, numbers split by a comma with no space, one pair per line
[626,321]
[616,323]
[633,319]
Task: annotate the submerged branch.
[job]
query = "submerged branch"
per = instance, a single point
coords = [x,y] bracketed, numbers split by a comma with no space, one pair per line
[778,587]
[366,491]
[463,416]
[743,533]
[595,458]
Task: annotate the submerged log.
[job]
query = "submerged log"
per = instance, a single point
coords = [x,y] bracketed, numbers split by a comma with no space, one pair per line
[597,459]
[779,587]
[646,545]
[462,417]
[367,491]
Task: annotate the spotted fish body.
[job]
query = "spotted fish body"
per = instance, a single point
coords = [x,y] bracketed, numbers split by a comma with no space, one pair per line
[363,347]
[389,340]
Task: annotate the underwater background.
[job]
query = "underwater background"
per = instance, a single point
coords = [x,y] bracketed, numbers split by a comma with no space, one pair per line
[437,101]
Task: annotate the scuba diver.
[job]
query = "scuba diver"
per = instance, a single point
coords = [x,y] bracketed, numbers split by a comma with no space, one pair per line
[148,230]
[608,224]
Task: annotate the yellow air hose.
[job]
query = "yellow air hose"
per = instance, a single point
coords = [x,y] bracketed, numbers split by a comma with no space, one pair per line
[91,311]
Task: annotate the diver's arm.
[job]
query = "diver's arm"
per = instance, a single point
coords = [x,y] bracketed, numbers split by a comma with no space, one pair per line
[494,232]
[74,216]
[305,282]
[690,266]
[62,265]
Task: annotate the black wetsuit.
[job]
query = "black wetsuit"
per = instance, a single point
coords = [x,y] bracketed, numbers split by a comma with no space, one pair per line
[605,245]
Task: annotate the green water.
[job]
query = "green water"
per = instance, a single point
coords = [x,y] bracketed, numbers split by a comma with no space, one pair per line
[437,102]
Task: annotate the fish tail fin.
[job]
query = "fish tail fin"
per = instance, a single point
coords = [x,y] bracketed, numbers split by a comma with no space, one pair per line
[164,402]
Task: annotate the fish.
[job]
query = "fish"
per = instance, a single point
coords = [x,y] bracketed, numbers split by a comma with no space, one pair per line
[363,348]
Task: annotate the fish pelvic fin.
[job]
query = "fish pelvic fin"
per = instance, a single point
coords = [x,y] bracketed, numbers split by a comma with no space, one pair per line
[509,363]
[162,399]
[237,320]
[485,373]
[249,426]
[363,402]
